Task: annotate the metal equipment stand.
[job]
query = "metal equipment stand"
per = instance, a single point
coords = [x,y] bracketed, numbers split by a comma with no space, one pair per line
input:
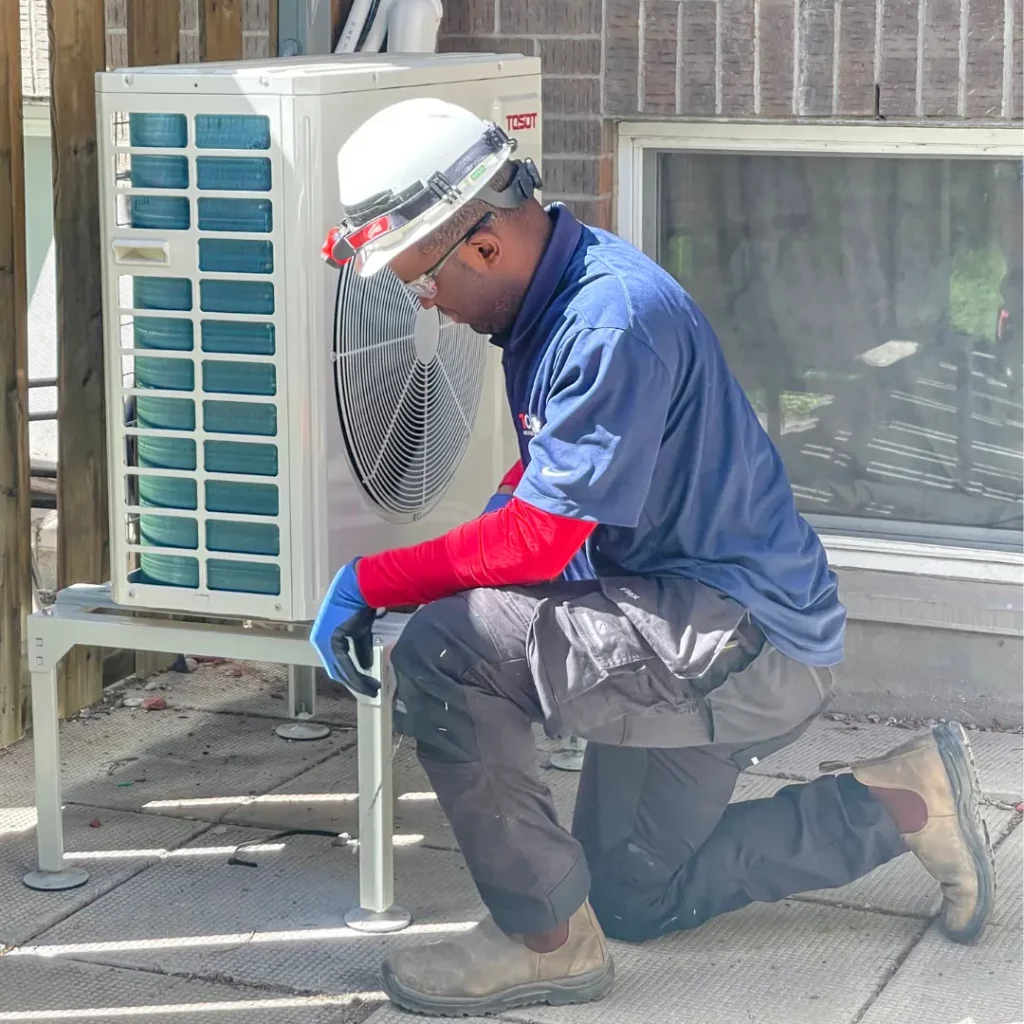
[570,757]
[85,614]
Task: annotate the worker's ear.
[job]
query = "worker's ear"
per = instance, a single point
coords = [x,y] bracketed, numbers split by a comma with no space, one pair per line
[484,250]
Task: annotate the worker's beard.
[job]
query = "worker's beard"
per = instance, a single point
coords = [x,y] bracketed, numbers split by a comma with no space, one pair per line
[497,312]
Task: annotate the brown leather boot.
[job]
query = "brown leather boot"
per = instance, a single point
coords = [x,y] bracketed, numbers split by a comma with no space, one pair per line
[485,971]
[953,842]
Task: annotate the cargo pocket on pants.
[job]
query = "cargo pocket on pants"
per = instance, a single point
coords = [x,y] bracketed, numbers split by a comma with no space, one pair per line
[592,667]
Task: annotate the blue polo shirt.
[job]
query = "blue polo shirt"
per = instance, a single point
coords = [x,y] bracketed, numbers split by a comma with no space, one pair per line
[627,415]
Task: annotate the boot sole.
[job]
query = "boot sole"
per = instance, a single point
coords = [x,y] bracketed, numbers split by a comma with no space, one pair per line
[958,760]
[583,988]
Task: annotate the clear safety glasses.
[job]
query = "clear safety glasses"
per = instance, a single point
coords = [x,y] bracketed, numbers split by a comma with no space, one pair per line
[425,286]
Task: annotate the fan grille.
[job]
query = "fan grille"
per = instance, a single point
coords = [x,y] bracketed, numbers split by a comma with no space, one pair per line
[408,383]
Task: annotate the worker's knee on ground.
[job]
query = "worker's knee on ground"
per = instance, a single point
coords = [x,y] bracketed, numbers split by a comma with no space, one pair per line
[626,913]
[628,890]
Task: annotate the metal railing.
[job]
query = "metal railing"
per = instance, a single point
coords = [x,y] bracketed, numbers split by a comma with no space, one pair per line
[48,414]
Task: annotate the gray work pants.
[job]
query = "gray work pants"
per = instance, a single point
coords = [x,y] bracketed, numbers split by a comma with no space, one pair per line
[677,692]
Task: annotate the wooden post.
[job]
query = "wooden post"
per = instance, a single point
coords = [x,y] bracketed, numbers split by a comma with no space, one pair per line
[83,547]
[274,42]
[15,515]
[220,30]
[153,32]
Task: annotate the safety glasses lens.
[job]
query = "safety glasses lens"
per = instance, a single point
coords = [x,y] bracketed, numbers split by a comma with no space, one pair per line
[422,287]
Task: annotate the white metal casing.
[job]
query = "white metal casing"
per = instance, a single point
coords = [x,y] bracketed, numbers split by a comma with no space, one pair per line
[323,515]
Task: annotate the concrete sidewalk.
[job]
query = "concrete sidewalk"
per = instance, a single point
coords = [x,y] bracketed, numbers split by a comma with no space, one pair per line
[167,930]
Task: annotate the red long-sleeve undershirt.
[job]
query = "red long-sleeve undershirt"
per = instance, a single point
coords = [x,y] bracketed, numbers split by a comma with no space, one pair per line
[517,545]
[513,476]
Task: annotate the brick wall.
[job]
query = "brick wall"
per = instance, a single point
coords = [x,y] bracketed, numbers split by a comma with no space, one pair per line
[35,68]
[608,60]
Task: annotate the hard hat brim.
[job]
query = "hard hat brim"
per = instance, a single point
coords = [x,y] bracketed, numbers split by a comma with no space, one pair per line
[376,255]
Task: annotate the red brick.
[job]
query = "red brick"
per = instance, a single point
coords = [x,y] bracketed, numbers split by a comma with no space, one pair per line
[1016,110]
[595,212]
[543,17]
[898,72]
[817,39]
[487,44]
[940,72]
[775,42]
[467,17]
[621,56]
[983,73]
[856,56]
[661,30]
[570,56]
[577,176]
[568,136]
[697,57]
[571,95]
[737,56]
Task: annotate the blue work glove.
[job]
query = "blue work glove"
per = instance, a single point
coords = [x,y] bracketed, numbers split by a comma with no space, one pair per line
[346,620]
[496,501]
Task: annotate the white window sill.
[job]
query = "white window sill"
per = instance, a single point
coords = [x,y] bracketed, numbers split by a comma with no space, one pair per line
[934,560]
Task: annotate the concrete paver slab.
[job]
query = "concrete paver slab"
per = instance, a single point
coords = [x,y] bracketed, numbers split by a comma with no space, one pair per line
[281,923]
[391,1014]
[120,847]
[1010,880]
[1000,756]
[945,983]
[325,797]
[168,756]
[902,886]
[54,990]
[253,688]
[763,965]
[788,963]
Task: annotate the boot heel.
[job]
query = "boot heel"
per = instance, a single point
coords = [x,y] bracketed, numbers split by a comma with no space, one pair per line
[958,760]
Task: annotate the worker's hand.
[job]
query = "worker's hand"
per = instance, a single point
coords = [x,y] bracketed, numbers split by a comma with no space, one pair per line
[345,624]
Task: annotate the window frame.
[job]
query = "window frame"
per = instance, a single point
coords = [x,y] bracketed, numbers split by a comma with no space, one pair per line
[961,553]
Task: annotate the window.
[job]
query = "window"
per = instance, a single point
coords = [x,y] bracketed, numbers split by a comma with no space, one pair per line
[866,286]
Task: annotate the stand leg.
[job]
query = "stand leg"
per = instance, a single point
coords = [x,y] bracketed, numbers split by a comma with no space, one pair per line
[302,706]
[570,758]
[52,874]
[377,911]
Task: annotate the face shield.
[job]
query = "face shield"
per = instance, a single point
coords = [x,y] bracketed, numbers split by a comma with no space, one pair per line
[374,232]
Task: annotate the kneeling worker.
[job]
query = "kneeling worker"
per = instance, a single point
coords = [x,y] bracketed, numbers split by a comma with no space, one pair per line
[644,581]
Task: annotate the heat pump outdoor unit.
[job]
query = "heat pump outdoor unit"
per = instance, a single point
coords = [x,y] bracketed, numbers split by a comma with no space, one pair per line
[267,418]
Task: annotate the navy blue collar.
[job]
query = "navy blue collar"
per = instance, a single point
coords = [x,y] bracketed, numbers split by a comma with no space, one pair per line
[547,278]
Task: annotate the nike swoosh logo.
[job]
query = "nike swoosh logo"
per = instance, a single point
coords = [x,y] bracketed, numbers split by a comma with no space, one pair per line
[547,471]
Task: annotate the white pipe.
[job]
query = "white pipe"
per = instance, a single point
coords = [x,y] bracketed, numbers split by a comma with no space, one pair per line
[413,25]
[353,27]
[375,37]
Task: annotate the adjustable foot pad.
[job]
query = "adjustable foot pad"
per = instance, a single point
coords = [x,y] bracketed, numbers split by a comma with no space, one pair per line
[55,881]
[394,919]
[302,731]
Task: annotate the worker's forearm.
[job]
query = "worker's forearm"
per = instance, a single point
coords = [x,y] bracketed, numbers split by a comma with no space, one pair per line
[517,545]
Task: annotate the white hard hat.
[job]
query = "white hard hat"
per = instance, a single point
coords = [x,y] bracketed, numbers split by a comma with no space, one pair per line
[410,167]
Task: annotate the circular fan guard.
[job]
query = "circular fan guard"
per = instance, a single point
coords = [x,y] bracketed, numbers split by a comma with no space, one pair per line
[408,383]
